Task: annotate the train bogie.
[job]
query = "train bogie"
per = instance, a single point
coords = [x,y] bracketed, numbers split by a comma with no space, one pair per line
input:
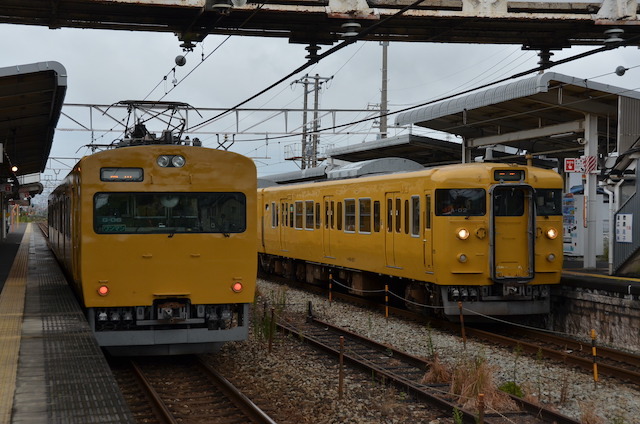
[485,235]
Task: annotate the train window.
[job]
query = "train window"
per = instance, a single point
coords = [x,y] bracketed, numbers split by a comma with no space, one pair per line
[376,216]
[339,217]
[283,209]
[169,213]
[326,214]
[332,213]
[415,216]
[318,217]
[67,216]
[298,222]
[406,217]
[274,215]
[350,215]
[365,215]
[398,220]
[461,202]
[427,212]
[548,201]
[291,215]
[508,201]
[121,174]
[308,214]
[389,215]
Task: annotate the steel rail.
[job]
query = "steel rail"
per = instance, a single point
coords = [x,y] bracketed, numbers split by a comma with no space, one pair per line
[239,402]
[585,363]
[420,390]
[159,407]
[603,352]
[254,412]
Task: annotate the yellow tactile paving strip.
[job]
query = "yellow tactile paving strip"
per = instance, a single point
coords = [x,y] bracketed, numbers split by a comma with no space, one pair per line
[11,314]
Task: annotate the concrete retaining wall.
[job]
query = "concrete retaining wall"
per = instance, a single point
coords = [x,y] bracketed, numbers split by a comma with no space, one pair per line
[614,317]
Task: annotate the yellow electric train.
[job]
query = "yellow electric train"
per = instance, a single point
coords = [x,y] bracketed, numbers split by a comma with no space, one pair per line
[159,245]
[487,235]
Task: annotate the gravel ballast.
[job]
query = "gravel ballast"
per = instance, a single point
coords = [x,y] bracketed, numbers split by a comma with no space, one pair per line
[295,384]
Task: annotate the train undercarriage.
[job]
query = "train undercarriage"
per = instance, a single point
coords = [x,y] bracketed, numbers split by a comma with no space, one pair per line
[476,303]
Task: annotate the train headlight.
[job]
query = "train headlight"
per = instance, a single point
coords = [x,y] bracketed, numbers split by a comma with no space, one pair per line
[462,258]
[163,161]
[237,287]
[551,257]
[103,290]
[462,233]
[178,161]
[552,233]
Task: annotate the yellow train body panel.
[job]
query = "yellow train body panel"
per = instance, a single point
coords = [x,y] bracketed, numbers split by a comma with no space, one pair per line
[154,238]
[390,225]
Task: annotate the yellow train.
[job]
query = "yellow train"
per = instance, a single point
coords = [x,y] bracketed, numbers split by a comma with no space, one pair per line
[159,245]
[484,234]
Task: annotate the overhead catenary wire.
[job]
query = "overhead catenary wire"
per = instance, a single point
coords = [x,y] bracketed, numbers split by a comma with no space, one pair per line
[472,67]
[520,74]
[204,58]
[315,59]
[487,85]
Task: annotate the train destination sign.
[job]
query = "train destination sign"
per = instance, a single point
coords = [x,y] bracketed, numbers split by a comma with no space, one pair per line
[121,174]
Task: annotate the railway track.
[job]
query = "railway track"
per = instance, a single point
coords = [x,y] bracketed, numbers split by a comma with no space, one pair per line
[183,390]
[44,228]
[614,363]
[406,372]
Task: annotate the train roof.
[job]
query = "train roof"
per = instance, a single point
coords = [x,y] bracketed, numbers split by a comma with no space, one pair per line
[444,173]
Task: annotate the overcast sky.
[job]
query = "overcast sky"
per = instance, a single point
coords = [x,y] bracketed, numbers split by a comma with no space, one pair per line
[105,67]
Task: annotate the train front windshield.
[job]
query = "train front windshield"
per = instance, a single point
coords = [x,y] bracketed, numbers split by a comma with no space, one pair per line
[461,202]
[548,201]
[139,213]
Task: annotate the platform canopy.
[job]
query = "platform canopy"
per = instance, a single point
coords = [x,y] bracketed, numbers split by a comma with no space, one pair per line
[424,150]
[31,98]
[541,115]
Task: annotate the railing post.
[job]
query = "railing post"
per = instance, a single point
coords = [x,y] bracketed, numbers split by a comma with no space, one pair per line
[464,335]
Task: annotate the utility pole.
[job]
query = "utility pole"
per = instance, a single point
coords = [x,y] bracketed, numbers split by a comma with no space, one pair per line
[305,83]
[309,156]
[384,109]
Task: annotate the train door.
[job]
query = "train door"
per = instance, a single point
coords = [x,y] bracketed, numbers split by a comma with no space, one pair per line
[427,240]
[394,221]
[284,224]
[329,206]
[76,229]
[512,232]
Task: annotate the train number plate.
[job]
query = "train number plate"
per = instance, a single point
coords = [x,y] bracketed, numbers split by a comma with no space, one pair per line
[171,305]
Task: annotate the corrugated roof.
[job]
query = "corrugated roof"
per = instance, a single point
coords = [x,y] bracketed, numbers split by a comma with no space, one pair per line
[515,90]
[544,114]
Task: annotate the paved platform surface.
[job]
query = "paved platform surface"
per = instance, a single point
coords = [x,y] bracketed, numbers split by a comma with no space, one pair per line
[51,368]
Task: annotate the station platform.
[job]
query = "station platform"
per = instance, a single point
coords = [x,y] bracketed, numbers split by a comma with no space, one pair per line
[51,368]
[574,275]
